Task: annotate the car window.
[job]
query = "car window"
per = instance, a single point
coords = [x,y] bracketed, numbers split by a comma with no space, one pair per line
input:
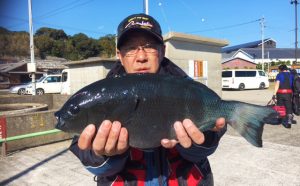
[240,74]
[53,79]
[261,73]
[41,79]
[226,74]
[64,77]
[245,73]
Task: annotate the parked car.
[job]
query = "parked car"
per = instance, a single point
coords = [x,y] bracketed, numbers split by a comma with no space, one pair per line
[18,89]
[244,79]
[46,84]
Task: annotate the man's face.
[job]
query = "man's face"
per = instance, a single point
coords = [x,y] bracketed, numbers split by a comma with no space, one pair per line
[141,53]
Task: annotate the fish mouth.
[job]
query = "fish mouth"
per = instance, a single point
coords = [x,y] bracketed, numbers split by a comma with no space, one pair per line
[60,123]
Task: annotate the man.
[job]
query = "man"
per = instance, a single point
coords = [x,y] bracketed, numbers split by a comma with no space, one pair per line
[283,93]
[105,153]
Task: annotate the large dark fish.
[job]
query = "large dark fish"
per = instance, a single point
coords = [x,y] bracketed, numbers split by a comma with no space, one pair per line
[148,105]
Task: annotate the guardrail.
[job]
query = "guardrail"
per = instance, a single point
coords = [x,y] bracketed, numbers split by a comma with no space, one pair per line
[30,135]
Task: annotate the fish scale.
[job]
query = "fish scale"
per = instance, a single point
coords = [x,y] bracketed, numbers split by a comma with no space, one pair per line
[147,105]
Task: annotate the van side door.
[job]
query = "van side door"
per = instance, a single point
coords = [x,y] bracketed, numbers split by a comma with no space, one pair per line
[252,79]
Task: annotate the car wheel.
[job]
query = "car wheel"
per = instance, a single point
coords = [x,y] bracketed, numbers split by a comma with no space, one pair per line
[21,91]
[40,91]
[262,85]
[242,86]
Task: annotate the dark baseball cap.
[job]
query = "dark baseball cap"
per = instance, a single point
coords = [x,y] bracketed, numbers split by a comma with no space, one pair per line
[139,22]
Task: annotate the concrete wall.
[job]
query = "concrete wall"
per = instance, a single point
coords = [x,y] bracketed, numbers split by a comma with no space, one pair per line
[54,101]
[31,123]
[20,124]
[181,52]
[13,98]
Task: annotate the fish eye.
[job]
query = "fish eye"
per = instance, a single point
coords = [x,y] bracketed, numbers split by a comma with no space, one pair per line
[74,110]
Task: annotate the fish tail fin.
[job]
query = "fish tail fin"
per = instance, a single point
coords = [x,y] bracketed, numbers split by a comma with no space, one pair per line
[248,120]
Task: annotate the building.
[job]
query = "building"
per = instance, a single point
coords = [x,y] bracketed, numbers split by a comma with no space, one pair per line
[198,56]
[252,53]
[17,73]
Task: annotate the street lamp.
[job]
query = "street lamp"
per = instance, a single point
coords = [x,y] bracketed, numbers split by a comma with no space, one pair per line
[296,28]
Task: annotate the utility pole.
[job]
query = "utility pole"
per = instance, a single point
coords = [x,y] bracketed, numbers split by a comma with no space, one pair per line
[31,67]
[146,8]
[262,23]
[296,28]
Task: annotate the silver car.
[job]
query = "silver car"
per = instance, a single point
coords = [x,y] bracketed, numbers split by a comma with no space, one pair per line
[19,89]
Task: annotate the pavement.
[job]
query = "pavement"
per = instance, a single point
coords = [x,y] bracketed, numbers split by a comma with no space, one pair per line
[235,162]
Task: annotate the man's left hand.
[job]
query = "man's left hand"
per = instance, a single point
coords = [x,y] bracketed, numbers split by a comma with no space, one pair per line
[187,133]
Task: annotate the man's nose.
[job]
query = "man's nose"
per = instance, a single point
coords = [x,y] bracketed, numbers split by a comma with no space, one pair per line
[141,54]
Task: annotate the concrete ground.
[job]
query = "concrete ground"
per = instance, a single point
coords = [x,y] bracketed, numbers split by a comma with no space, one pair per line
[235,162]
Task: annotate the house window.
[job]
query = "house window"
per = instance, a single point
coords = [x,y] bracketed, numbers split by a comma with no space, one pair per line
[198,70]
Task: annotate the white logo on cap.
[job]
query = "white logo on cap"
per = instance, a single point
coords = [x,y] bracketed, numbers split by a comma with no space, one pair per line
[143,24]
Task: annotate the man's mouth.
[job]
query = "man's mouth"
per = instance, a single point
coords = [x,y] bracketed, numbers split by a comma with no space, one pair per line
[143,70]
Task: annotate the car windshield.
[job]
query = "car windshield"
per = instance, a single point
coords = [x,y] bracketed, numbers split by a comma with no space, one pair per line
[41,78]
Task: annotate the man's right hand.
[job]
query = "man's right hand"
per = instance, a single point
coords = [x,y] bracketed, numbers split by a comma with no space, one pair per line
[111,139]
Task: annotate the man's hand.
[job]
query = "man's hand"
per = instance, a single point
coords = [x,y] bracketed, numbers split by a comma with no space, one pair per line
[111,139]
[187,132]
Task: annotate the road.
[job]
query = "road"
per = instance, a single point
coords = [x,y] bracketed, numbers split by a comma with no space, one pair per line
[234,163]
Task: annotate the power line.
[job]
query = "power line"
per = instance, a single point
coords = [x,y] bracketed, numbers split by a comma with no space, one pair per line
[164,15]
[59,10]
[189,8]
[55,12]
[226,27]
[53,25]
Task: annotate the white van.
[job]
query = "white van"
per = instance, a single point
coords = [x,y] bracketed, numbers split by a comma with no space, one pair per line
[244,79]
[76,78]
[46,84]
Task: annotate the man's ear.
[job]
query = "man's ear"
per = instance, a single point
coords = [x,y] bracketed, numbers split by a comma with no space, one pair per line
[119,56]
[162,52]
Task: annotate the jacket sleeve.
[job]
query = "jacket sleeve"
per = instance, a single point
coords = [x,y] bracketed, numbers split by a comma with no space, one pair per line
[197,153]
[98,165]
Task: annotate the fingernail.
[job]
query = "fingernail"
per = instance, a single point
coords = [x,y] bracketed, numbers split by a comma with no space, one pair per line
[176,125]
[165,141]
[104,124]
[89,130]
[187,123]
[116,126]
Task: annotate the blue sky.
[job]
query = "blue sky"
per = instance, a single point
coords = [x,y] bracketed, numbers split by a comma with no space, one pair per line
[234,20]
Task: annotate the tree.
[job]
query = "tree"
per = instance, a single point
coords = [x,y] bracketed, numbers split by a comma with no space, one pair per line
[108,45]
[84,46]
[44,44]
[54,42]
[52,33]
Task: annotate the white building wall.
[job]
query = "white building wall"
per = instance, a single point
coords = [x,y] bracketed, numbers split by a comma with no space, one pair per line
[181,52]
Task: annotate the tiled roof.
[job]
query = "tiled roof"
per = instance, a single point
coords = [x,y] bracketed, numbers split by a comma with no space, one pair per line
[11,66]
[244,45]
[40,64]
[272,53]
